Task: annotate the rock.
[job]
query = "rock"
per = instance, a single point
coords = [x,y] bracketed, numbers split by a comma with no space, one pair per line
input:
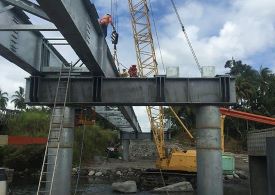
[131,173]
[241,174]
[125,187]
[98,173]
[74,170]
[184,186]
[229,177]
[91,173]
[236,176]
[118,173]
[84,172]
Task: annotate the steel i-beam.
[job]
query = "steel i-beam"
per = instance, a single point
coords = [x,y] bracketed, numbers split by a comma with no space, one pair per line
[135,91]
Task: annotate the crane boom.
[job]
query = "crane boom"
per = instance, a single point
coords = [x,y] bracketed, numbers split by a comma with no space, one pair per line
[247,116]
[148,67]
[147,64]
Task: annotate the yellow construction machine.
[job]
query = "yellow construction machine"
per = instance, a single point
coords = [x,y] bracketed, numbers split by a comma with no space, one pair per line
[177,163]
[148,67]
[176,160]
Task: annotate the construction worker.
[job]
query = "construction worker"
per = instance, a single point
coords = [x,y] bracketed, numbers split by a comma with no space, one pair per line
[104,22]
[133,72]
[124,73]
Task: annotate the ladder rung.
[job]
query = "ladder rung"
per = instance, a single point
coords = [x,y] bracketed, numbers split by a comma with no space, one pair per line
[56,128]
[51,154]
[45,181]
[54,139]
[52,130]
[57,115]
[43,191]
[50,164]
[56,123]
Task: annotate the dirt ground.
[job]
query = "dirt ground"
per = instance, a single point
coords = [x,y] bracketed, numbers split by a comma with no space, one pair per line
[231,187]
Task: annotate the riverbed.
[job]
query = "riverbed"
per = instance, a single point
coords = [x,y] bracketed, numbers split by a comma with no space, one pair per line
[28,186]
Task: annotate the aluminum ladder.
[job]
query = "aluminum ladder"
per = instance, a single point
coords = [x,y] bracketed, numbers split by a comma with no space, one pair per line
[48,170]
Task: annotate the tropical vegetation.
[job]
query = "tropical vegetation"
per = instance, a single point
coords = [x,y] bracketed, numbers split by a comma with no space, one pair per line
[3,99]
[35,122]
[19,99]
[255,90]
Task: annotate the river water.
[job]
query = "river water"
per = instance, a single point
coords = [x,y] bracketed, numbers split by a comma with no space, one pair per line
[28,186]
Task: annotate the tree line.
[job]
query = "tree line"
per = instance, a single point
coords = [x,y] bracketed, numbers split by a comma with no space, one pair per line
[18,98]
[255,89]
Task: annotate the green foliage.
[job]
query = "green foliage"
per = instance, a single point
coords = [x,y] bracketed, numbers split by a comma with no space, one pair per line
[21,158]
[96,140]
[3,99]
[19,99]
[187,116]
[35,122]
[255,94]
[30,123]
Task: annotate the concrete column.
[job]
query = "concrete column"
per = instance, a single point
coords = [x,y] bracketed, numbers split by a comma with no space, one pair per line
[62,178]
[258,175]
[209,155]
[270,158]
[125,149]
[3,181]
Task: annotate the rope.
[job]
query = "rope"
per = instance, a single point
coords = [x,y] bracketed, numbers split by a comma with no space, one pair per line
[81,151]
[164,184]
[157,37]
[186,36]
[111,8]
[116,16]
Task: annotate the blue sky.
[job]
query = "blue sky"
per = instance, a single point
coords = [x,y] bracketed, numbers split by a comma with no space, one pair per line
[219,30]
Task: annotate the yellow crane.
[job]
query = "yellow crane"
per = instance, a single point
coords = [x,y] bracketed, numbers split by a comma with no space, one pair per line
[148,67]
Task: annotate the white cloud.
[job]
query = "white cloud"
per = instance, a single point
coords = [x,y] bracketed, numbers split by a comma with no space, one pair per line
[11,78]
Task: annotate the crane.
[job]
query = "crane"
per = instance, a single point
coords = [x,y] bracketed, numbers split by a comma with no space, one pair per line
[242,115]
[148,67]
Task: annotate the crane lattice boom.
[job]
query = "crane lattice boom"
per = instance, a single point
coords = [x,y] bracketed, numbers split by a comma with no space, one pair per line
[147,64]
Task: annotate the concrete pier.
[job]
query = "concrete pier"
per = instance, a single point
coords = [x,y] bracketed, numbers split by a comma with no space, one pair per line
[270,158]
[62,177]
[125,149]
[209,155]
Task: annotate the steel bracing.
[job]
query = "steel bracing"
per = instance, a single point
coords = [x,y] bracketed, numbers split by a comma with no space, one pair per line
[20,38]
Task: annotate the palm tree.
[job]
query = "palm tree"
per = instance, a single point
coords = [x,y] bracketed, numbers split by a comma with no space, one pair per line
[19,99]
[265,78]
[3,99]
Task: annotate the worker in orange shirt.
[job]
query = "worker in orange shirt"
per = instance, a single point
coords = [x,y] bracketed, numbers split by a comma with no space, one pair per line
[104,22]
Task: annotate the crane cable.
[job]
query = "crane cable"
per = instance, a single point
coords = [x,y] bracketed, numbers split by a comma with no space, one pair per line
[157,36]
[186,36]
[81,150]
[115,35]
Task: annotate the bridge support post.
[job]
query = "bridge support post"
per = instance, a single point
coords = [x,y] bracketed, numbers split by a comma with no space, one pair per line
[270,158]
[62,178]
[209,155]
[125,149]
